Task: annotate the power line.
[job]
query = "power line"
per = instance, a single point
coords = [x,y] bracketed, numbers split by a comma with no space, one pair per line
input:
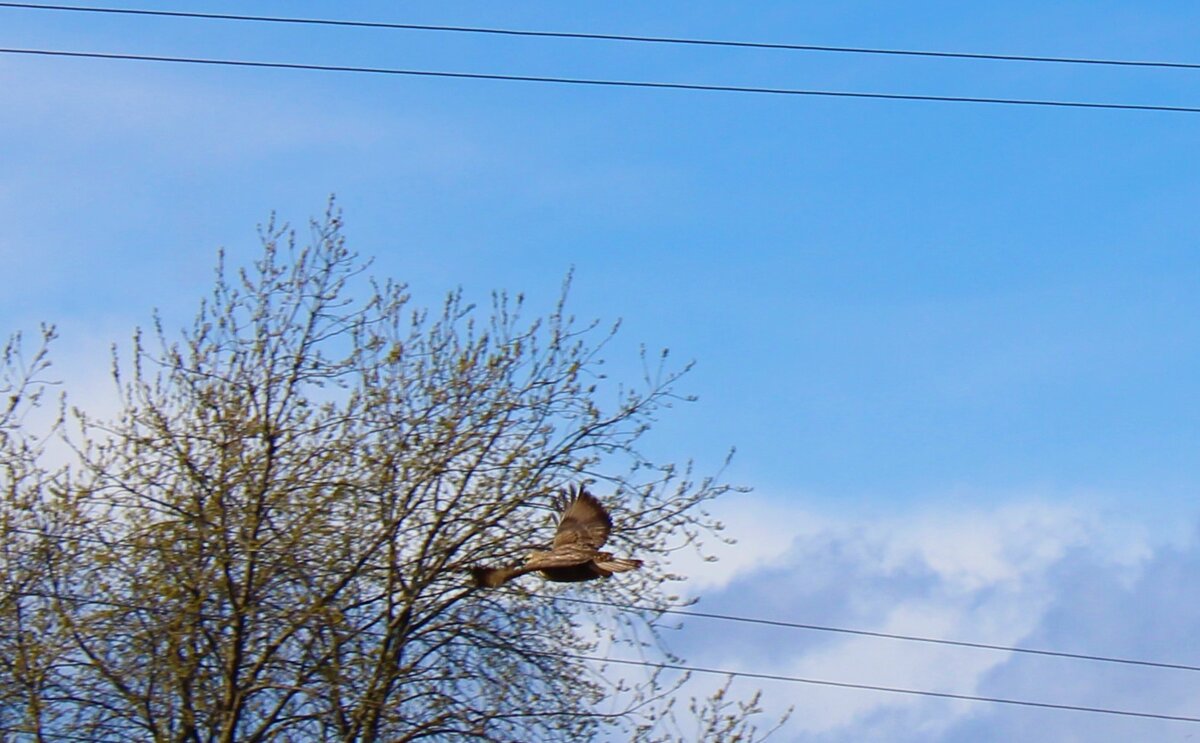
[613,37]
[603,83]
[889,689]
[686,613]
[763,676]
[885,635]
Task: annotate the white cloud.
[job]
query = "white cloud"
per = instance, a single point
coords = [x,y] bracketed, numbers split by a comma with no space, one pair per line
[1009,574]
[761,530]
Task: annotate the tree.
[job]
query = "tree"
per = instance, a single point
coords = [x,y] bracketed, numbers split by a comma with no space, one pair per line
[272,539]
[31,642]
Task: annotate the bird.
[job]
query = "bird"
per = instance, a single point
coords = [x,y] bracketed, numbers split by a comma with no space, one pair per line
[575,554]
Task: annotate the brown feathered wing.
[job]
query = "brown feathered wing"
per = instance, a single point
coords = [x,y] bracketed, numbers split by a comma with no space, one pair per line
[584,522]
[574,555]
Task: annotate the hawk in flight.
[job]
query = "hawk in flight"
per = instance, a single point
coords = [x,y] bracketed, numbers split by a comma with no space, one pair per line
[575,554]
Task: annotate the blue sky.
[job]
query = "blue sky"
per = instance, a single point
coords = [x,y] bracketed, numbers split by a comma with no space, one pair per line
[914,320]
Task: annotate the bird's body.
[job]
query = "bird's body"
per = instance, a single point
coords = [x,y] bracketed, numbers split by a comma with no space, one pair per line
[575,554]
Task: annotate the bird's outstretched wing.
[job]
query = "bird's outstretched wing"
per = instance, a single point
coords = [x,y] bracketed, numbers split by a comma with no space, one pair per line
[584,522]
[606,564]
[560,557]
[571,556]
[575,555]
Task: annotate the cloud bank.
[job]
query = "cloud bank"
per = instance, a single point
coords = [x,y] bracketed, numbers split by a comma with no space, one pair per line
[1032,573]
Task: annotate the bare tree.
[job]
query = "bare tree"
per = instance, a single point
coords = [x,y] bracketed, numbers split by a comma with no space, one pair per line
[31,645]
[715,718]
[272,540]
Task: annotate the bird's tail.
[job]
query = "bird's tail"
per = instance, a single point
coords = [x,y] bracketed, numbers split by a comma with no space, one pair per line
[491,577]
[619,564]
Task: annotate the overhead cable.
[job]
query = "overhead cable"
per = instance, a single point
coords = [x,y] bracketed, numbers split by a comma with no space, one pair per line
[883,635]
[686,668]
[872,687]
[601,82]
[728,43]
[689,613]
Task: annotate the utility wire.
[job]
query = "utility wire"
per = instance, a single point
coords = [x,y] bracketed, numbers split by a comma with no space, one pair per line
[611,37]
[768,676]
[884,635]
[677,612]
[872,687]
[602,83]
